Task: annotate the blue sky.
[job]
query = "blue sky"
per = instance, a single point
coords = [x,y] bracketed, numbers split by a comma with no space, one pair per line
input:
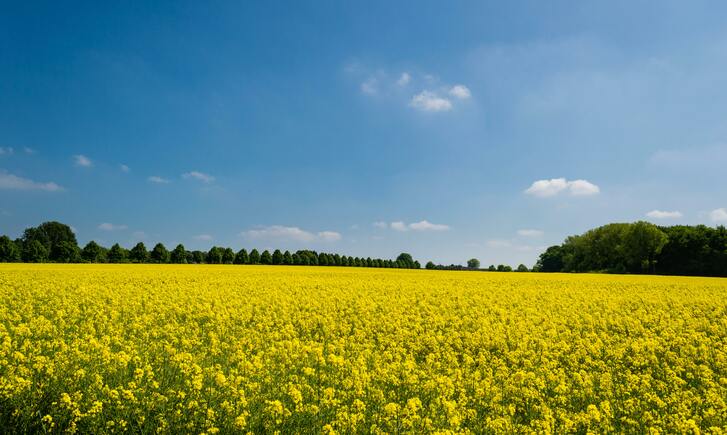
[446,129]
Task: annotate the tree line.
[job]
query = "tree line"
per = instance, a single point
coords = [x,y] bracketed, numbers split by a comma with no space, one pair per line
[474,264]
[56,242]
[641,247]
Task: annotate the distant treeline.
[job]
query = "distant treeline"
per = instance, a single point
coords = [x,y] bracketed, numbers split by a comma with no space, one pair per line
[55,242]
[641,247]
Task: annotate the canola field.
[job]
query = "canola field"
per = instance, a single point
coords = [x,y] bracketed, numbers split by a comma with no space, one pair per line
[265,349]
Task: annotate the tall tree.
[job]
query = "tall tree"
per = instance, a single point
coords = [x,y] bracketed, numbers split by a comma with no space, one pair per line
[228,256]
[93,253]
[9,251]
[242,257]
[179,255]
[266,258]
[139,254]
[473,263]
[254,257]
[66,252]
[116,254]
[50,234]
[277,257]
[160,254]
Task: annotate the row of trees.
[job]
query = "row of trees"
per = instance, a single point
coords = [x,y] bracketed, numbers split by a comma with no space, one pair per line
[641,247]
[56,242]
[474,264]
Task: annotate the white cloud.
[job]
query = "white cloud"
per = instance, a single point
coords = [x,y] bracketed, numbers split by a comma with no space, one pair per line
[404,79]
[423,225]
[158,180]
[124,168]
[199,176]
[659,214]
[428,226]
[370,86]
[380,224]
[529,233]
[460,91]
[554,186]
[280,232]
[6,151]
[13,182]
[28,150]
[329,236]
[203,237]
[111,227]
[139,235]
[429,101]
[718,215]
[82,161]
[398,226]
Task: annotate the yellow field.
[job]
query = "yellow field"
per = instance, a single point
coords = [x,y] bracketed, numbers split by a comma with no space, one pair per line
[111,348]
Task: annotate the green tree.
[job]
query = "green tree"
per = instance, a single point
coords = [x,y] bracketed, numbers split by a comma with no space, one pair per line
[93,253]
[405,260]
[266,258]
[50,235]
[551,260]
[159,254]
[254,257]
[242,257]
[430,265]
[287,258]
[492,268]
[179,255]
[139,254]
[66,252]
[228,256]
[473,263]
[215,255]
[9,251]
[34,252]
[277,257]
[522,268]
[116,254]
[643,243]
[198,257]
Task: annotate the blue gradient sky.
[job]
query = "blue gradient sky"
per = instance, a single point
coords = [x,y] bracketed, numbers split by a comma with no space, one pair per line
[366,129]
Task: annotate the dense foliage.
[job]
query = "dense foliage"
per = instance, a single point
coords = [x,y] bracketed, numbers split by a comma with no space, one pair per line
[151,349]
[55,242]
[641,247]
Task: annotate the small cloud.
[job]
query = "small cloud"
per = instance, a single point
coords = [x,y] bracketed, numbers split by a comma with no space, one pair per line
[659,214]
[429,101]
[404,79]
[158,180]
[329,236]
[529,233]
[203,237]
[111,227]
[13,182]
[6,151]
[124,168]
[398,226]
[82,161]
[718,215]
[428,226]
[380,224]
[370,86]
[199,176]
[29,150]
[279,232]
[554,186]
[460,91]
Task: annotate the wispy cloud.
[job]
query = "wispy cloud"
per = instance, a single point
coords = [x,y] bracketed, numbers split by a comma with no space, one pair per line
[13,182]
[404,79]
[529,233]
[719,215]
[370,86]
[158,180]
[124,168]
[380,224]
[203,237]
[423,225]
[82,161]
[555,186]
[29,150]
[6,151]
[106,226]
[279,232]
[199,176]
[659,214]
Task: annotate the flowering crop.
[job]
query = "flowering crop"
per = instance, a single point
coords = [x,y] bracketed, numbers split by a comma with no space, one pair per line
[137,348]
